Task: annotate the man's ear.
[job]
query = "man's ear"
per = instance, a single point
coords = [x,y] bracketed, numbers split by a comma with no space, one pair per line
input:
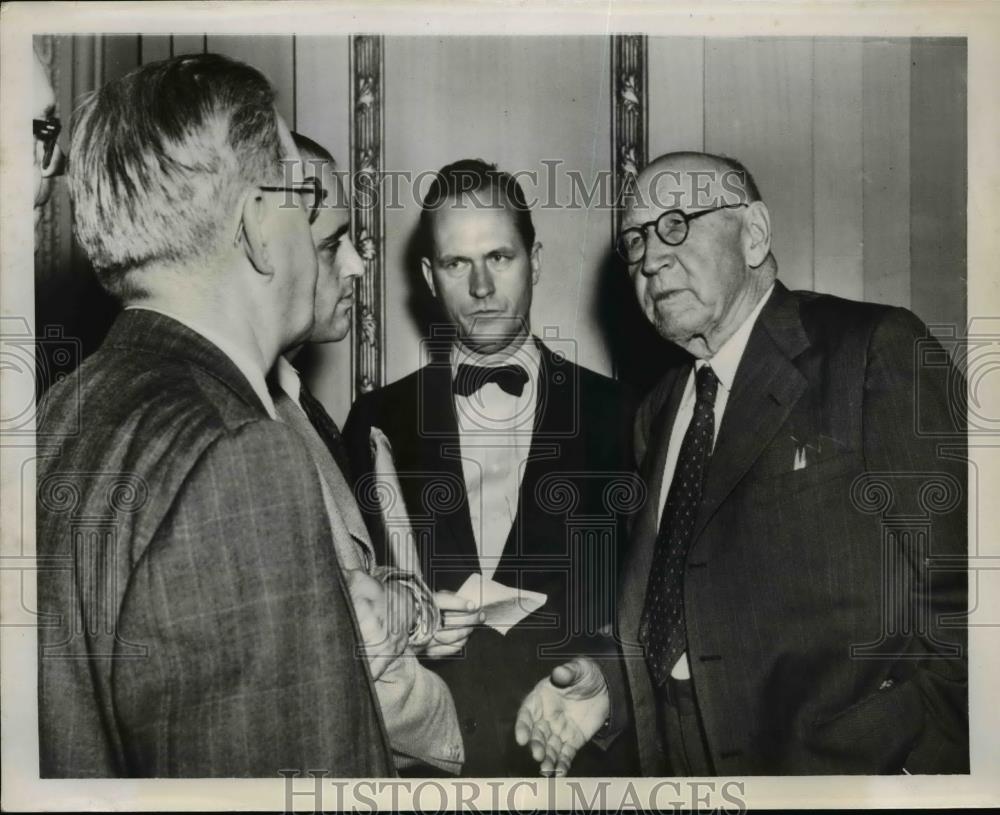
[253,232]
[428,271]
[536,263]
[756,234]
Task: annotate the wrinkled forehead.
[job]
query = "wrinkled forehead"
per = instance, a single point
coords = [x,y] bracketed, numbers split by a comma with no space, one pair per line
[486,209]
[687,186]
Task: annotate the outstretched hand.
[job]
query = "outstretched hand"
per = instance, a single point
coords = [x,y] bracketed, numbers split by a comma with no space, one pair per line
[562,713]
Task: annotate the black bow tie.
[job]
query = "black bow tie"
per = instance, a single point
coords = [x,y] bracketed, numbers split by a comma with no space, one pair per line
[470,378]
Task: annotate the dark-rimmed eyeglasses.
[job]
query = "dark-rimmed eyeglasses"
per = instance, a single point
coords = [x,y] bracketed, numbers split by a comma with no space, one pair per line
[311,190]
[47,132]
[671,228]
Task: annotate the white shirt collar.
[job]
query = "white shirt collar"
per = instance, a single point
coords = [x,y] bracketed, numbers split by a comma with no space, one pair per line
[288,379]
[727,359]
[243,361]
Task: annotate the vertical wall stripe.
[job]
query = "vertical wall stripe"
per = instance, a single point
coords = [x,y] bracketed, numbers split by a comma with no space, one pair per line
[629,154]
[838,211]
[155,47]
[322,112]
[629,103]
[188,44]
[295,81]
[120,55]
[886,112]
[938,159]
[677,94]
[759,109]
[367,213]
[270,54]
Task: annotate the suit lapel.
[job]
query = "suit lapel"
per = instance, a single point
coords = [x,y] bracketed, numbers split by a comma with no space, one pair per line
[346,523]
[766,387]
[440,452]
[647,521]
[343,497]
[554,405]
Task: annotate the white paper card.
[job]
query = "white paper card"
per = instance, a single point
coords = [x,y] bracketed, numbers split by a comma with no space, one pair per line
[504,606]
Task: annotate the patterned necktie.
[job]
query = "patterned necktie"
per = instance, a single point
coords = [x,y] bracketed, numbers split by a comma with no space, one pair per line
[662,627]
[327,429]
[470,378]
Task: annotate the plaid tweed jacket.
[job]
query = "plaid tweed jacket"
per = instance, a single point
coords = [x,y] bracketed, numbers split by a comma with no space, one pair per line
[193,617]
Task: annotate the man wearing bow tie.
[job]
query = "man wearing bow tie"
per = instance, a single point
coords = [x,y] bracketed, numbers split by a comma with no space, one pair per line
[509,456]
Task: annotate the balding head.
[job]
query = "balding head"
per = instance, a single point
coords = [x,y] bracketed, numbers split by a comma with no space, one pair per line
[697,239]
[690,181]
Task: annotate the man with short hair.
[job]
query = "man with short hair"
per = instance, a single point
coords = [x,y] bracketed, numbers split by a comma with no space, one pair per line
[796,579]
[416,705]
[198,619]
[514,469]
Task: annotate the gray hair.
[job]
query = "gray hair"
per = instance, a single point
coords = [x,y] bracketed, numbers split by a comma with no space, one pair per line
[159,159]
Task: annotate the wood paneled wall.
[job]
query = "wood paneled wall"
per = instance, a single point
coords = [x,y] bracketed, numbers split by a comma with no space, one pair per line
[858,146]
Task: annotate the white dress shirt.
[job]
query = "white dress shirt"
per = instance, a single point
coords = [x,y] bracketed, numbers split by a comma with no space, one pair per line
[250,369]
[724,364]
[495,430]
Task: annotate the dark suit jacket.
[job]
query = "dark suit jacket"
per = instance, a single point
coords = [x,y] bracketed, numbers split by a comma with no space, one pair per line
[817,634]
[565,540]
[194,619]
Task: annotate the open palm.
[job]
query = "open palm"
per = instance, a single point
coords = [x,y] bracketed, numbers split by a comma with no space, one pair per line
[562,713]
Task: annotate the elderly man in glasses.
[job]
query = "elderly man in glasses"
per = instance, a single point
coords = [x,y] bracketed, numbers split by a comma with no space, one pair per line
[204,629]
[46,157]
[795,582]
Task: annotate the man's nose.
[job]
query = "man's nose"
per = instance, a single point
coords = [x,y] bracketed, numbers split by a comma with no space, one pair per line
[658,254]
[481,281]
[352,265]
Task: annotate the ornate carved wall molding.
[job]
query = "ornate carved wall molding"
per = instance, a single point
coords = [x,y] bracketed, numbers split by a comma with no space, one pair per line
[367,213]
[629,124]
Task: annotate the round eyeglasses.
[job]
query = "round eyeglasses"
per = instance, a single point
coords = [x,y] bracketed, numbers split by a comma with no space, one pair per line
[47,132]
[671,227]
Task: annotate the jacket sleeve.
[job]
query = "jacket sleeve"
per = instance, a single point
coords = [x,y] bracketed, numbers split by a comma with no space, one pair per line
[914,441]
[252,655]
[420,716]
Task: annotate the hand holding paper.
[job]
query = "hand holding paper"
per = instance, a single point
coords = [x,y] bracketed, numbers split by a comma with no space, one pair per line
[503,606]
[459,616]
